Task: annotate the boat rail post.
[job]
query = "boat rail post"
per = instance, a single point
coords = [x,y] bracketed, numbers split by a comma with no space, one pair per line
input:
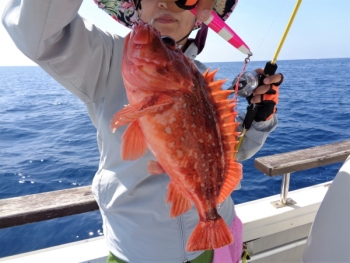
[284,188]
[284,200]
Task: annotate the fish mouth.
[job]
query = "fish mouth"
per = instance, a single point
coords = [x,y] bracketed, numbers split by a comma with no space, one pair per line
[151,69]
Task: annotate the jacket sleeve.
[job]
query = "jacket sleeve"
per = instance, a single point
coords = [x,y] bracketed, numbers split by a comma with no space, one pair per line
[255,137]
[70,49]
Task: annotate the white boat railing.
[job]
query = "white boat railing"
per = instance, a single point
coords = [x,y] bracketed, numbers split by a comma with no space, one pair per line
[286,163]
[39,207]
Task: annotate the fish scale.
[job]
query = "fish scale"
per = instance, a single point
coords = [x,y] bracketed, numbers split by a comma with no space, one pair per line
[187,121]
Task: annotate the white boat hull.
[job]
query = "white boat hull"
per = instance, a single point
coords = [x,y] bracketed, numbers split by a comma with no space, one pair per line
[272,234]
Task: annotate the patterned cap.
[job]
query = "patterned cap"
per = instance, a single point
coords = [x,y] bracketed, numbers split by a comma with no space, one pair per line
[123,10]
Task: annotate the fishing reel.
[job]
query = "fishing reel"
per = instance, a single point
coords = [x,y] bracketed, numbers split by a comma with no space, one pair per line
[250,80]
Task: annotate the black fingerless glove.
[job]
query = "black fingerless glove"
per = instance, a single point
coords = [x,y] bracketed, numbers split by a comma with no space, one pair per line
[267,107]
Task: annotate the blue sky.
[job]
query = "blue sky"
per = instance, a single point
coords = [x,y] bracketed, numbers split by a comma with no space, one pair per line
[321,29]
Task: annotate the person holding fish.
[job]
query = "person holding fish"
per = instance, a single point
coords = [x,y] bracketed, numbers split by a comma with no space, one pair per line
[164,182]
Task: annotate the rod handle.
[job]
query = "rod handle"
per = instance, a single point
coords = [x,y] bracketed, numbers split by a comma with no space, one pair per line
[270,69]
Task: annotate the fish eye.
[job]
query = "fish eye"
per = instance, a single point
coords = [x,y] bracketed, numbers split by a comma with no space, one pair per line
[169,41]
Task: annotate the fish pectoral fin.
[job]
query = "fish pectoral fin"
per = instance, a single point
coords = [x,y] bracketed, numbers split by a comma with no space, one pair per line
[132,112]
[133,142]
[154,167]
[179,202]
[156,102]
[232,177]
[126,115]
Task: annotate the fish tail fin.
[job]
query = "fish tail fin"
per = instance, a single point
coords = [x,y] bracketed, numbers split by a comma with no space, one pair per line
[209,235]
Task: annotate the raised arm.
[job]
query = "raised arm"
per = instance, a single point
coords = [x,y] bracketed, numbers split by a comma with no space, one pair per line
[69,48]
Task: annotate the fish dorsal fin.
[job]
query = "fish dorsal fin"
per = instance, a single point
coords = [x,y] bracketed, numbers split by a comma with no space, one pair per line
[232,177]
[228,128]
[216,85]
[209,75]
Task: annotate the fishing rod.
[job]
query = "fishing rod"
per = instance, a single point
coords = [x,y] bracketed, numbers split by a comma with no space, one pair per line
[249,81]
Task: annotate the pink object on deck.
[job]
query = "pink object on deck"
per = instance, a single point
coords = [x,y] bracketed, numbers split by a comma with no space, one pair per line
[231,253]
[222,29]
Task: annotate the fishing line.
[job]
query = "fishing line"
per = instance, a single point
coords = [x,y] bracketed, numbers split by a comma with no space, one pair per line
[235,99]
[273,22]
[246,61]
[270,69]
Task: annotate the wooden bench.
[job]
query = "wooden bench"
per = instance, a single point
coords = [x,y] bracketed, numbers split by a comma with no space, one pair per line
[39,207]
[300,160]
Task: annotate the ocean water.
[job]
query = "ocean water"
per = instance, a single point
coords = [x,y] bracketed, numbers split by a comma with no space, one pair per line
[48,143]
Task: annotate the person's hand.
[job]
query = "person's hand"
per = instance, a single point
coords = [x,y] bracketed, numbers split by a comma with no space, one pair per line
[266,96]
[204,8]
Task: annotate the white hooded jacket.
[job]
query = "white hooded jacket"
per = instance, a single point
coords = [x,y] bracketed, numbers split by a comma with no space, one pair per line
[87,61]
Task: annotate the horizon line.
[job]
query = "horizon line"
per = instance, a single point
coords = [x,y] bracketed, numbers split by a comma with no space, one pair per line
[239,61]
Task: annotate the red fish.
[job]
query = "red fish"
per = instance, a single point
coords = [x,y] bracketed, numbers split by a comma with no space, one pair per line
[187,122]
